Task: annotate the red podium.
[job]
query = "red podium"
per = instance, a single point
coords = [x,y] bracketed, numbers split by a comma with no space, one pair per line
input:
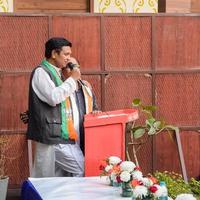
[105,136]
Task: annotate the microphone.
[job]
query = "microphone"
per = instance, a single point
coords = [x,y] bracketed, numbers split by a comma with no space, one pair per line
[71,65]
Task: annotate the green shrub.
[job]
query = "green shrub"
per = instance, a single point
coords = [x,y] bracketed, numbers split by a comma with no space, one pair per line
[195,186]
[175,183]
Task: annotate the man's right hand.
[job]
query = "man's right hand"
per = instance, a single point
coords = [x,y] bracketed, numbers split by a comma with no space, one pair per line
[75,73]
[24,117]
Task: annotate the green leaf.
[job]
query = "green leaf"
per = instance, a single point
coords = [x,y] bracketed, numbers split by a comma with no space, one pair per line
[139,133]
[137,127]
[157,125]
[136,102]
[150,121]
[152,131]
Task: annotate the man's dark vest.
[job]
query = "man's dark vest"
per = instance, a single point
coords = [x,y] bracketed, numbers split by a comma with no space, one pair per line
[44,124]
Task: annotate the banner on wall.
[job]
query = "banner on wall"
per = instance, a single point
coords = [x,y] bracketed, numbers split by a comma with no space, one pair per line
[125,6]
[6,5]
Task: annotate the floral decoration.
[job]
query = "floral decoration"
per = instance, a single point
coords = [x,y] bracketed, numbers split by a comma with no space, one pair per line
[110,166]
[128,174]
[185,196]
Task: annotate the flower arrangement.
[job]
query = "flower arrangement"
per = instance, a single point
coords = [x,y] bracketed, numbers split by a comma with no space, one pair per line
[148,187]
[109,164]
[110,167]
[125,176]
[132,180]
[126,170]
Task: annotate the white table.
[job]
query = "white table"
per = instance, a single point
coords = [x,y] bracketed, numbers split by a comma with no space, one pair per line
[75,188]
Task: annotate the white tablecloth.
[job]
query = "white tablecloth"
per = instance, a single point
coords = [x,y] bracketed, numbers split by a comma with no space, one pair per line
[75,188]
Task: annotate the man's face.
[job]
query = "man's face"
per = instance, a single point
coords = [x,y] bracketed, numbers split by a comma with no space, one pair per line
[62,58]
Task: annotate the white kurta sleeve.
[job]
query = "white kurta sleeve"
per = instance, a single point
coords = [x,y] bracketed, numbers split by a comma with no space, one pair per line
[46,89]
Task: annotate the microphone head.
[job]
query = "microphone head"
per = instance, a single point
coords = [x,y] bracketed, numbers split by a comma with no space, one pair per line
[70,65]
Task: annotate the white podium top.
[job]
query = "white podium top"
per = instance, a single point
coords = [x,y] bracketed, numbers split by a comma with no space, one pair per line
[75,188]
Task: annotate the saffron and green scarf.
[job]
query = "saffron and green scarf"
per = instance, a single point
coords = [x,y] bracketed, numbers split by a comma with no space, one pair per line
[67,128]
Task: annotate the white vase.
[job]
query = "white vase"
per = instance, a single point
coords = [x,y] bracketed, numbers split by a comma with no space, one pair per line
[3,188]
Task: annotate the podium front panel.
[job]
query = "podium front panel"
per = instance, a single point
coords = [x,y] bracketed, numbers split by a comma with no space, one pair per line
[102,142]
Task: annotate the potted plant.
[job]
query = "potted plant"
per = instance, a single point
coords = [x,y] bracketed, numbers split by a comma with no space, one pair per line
[3,177]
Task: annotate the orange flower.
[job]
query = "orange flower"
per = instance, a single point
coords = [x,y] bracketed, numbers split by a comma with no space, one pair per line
[135,182]
[153,179]
[103,164]
[116,169]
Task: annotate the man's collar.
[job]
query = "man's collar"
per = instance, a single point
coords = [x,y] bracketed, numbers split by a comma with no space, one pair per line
[58,70]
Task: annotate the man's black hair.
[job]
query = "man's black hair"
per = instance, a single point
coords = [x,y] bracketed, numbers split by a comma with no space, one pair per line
[55,43]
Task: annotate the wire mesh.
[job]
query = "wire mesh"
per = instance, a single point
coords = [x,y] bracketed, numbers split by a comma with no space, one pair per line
[16,158]
[127,43]
[22,42]
[177,43]
[84,33]
[167,157]
[14,99]
[121,89]
[177,98]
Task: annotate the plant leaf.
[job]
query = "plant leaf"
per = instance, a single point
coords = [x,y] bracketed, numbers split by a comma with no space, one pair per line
[157,125]
[152,131]
[150,121]
[136,128]
[136,102]
[139,133]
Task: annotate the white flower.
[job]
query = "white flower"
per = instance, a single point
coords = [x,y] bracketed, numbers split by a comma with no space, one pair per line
[127,166]
[114,160]
[108,168]
[185,197]
[162,191]
[147,182]
[137,175]
[169,198]
[140,191]
[125,176]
